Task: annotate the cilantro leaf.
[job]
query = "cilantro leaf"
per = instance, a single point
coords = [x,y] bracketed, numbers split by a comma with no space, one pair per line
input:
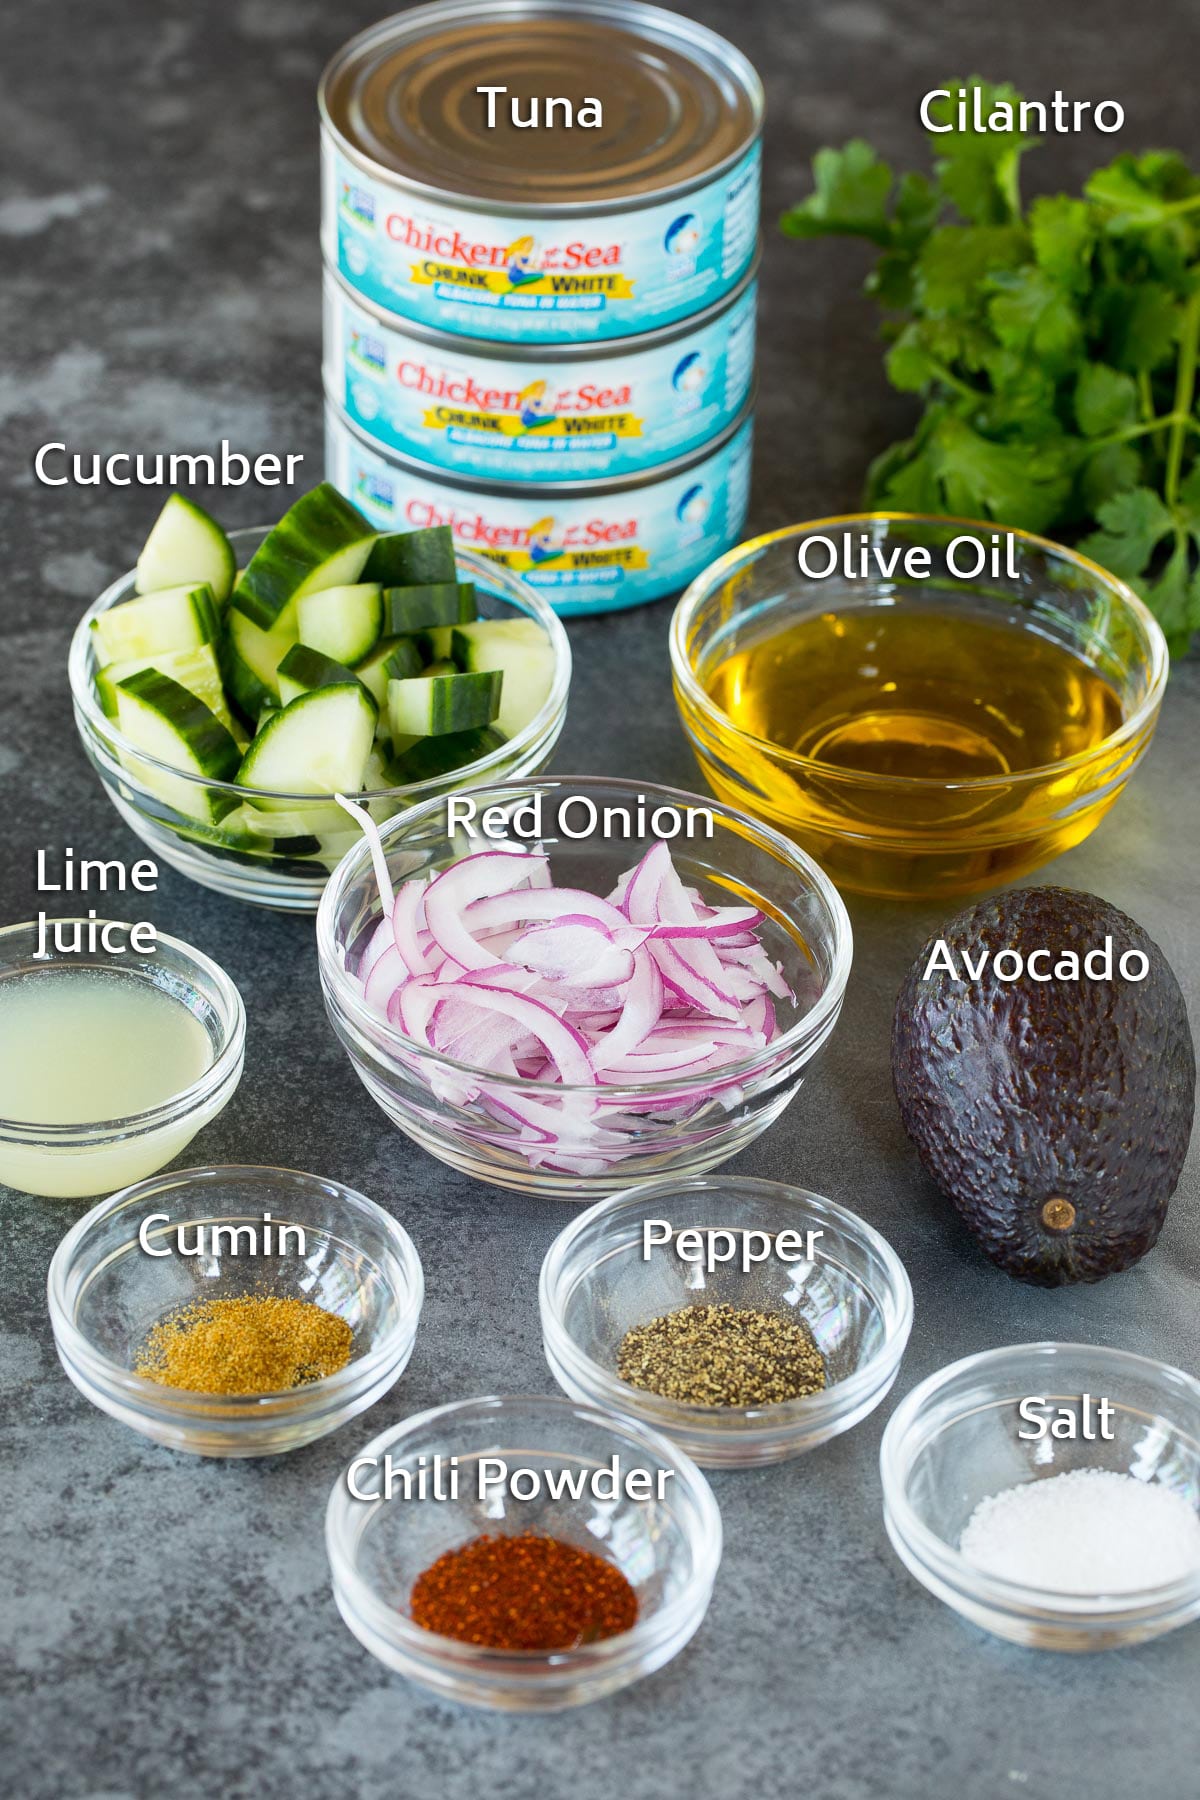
[955,261]
[1016,484]
[1105,400]
[1063,234]
[1133,525]
[1030,312]
[1174,598]
[977,170]
[850,197]
[1110,471]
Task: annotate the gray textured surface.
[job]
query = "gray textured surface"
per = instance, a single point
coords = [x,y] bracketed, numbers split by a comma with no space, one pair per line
[169,1628]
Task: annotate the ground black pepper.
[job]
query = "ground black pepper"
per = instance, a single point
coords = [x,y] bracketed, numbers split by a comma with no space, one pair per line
[722,1356]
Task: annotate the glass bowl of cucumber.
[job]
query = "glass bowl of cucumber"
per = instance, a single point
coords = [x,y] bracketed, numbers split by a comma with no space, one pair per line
[229,687]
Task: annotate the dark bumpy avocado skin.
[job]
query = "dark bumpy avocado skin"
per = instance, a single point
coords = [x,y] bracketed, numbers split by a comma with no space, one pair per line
[1019,1093]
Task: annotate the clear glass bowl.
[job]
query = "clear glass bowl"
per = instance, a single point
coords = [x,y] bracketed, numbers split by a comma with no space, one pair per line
[669,1550]
[911,836]
[74,1161]
[953,1441]
[855,1298]
[651,1129]
[242,854]
[106,1292]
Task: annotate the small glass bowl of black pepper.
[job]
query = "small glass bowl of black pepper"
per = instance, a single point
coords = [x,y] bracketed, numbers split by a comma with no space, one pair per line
[749,1321]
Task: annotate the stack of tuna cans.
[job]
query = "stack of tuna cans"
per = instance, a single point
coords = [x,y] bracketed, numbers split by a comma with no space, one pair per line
[540,226]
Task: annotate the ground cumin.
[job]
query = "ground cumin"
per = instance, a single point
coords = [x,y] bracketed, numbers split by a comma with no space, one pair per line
[252,1344]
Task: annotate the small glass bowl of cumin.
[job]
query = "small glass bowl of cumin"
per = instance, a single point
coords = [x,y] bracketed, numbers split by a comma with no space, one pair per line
[852,1301]
[112,1291]
[664,1537]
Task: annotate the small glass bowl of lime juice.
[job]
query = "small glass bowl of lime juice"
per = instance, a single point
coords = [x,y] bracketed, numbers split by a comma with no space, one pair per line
[111,1060]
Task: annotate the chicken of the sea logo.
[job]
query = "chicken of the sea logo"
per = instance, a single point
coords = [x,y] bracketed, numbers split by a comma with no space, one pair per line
[541,545]
[533,408]
[522,263]
[692,511]
[682,240]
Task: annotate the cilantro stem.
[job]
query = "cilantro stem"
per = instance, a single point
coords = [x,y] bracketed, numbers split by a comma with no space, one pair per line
[949,379]
[1185,384]
[1183,420]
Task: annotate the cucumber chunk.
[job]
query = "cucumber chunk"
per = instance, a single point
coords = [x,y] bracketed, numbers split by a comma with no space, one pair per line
[411,558]
[432,705]
[434,644]
[186,545]
[168,722]
[176,618]
[250,659]
[317,744]
[405,660]
[523,654]
[196,670]
[434,756]
[344,622]
[320,542]
[408,609]
[304,669]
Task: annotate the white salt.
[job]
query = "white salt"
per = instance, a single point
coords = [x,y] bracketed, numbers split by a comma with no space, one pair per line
[1091,1531]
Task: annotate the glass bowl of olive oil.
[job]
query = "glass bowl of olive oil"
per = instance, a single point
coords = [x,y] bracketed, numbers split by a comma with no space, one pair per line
[918,729]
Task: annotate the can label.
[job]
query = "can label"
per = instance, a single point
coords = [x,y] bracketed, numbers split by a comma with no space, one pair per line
[517,421]
[537,281]
[586,554]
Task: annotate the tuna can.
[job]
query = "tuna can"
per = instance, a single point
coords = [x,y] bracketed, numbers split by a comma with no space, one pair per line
[561,233]
[525,415]
[589,549]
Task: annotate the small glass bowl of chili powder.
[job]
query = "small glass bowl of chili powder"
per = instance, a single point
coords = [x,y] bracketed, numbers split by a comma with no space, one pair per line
[522,1603]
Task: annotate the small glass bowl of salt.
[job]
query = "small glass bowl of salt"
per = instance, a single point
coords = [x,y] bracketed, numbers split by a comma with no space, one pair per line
[1050,1493]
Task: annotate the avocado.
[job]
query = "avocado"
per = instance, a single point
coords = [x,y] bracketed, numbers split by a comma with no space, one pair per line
[1054,1113]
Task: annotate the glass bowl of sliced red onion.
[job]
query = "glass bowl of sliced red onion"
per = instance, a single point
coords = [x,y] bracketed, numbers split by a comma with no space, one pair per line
[556,1009]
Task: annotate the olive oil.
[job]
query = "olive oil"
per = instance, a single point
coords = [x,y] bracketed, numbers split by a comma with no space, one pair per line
[914,746]
[917,692]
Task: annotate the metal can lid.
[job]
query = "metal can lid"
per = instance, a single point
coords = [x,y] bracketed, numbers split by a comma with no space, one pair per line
[678,102]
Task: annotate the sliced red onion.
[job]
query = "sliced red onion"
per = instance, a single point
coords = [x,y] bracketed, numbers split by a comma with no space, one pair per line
[575,950]
[526,985]
[478,877]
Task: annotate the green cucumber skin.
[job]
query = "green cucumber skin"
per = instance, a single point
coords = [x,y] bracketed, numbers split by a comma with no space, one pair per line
[320,526]
[412,558]
[434,705]
[411,609]
[213,747]
[435,756]
[306,719]
[404,661]
[304,670]
[245,653]
[523,654]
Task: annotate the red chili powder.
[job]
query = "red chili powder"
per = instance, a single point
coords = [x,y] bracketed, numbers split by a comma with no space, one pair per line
[523,1593]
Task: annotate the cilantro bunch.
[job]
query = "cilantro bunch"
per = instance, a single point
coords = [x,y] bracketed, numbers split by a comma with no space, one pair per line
[1054,346]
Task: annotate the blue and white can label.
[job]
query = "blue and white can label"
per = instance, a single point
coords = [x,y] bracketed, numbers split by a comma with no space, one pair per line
[462,406]
[545,280]
[590,552]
